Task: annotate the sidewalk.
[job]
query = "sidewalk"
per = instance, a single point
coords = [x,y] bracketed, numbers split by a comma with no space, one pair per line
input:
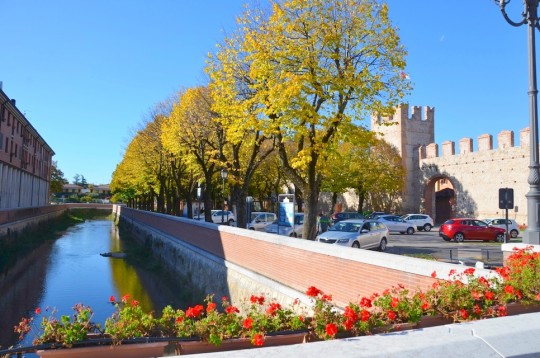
[514,336]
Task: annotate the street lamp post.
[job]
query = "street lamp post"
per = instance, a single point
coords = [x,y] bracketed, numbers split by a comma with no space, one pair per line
[530,18]
[199,200]
[223,178]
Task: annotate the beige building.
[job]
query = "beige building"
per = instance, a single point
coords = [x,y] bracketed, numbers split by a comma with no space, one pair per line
[25,160]
[451,183]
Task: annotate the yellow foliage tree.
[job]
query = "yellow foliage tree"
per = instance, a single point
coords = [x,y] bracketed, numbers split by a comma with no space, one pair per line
[315,68]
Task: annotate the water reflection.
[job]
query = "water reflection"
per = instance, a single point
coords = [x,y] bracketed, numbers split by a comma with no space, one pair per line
[71,270]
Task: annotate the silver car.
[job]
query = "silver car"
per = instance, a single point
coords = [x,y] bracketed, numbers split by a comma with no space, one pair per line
[421,221]
[358,233]
[513,227]
[397,224]
[260,220]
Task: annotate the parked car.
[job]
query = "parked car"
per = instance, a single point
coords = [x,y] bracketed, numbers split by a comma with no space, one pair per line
[345,215]
[470,229]
[260,220]
[374,215]
[286,229]
[227,216]
[357,233]
[513,227]
[421,221]
[397,224]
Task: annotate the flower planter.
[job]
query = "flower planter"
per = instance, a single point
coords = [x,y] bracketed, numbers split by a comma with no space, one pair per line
[193,347]
[138,350]
[519,308]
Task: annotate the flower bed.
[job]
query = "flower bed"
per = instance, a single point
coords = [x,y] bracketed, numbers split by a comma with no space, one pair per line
[459,296]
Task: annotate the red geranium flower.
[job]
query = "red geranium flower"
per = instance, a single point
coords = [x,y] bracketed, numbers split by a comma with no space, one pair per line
[391,315]
[501,311]
[469,271]
[364,315]
[464,314]
[134,303]
[509,289]
[112,299]
[258,339]
[365,302]
[179,319]
[210,307]
[231,310]
[125,298]
[350,314]
[489,295]
[313,291]
[331,329]
[394,303]
[248,323]
[38,310]
[434,274]
[193,312]
[272,308]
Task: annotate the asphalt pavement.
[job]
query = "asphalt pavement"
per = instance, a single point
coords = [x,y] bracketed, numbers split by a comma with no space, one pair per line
[430,245]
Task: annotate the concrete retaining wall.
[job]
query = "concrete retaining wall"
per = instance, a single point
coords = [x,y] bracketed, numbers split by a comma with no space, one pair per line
[241,262]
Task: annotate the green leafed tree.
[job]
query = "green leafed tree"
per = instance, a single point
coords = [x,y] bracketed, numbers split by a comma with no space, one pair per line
[57,178]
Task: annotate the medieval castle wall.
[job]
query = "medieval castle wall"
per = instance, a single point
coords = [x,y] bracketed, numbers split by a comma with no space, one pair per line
[475,176]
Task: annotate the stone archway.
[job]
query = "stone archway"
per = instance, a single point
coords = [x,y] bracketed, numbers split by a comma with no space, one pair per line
[439,199]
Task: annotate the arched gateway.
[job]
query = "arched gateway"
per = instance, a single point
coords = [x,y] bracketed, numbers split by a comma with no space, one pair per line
[454,184]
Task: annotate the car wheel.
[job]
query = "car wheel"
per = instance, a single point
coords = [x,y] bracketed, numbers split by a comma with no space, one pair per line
[231,222]
[499,238]
[410,231]
[293,234]
[382,245]
[459,237]
[356,245]
[446,239]
[427,227]
[251,228]
[514,234]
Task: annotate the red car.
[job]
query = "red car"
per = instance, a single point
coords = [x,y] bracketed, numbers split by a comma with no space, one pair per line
[470,229]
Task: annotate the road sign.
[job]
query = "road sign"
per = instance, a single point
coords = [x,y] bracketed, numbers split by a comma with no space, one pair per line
[506,198]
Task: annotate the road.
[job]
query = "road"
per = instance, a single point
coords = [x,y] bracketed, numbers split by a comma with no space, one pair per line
[430,245]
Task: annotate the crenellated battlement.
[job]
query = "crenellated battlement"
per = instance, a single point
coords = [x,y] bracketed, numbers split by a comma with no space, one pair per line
[505,140]
[417,113]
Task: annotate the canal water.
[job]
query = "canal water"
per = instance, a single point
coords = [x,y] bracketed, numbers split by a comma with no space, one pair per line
[70,270]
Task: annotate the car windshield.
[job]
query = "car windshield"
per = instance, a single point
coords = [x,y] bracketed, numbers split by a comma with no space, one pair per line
[346,227]
[253,216]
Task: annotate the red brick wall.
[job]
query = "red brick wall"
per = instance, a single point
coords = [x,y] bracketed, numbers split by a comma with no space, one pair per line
[344,273]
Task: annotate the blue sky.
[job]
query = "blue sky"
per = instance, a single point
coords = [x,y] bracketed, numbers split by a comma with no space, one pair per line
[87,73]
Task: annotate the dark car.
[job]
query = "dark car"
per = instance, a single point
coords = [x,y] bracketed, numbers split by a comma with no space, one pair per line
[470,229]
[345,215]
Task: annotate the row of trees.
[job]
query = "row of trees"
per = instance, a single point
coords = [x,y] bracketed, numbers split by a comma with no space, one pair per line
[283,107]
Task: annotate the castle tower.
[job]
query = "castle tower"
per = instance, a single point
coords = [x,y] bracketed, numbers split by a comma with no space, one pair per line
[407,134]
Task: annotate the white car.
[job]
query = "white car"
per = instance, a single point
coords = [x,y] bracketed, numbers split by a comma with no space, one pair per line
[421,221]
[260,220]
[223,217]
[357,233]
[397,224]
[286,229]
[513,227]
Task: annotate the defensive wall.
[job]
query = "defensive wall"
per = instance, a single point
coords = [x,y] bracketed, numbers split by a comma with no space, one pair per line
[476,176]
[236,262]
[462,182]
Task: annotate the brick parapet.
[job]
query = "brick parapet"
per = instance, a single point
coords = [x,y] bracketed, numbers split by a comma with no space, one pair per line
[345,273]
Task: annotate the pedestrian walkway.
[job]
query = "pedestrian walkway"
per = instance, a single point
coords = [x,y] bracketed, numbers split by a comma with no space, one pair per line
[514,336]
